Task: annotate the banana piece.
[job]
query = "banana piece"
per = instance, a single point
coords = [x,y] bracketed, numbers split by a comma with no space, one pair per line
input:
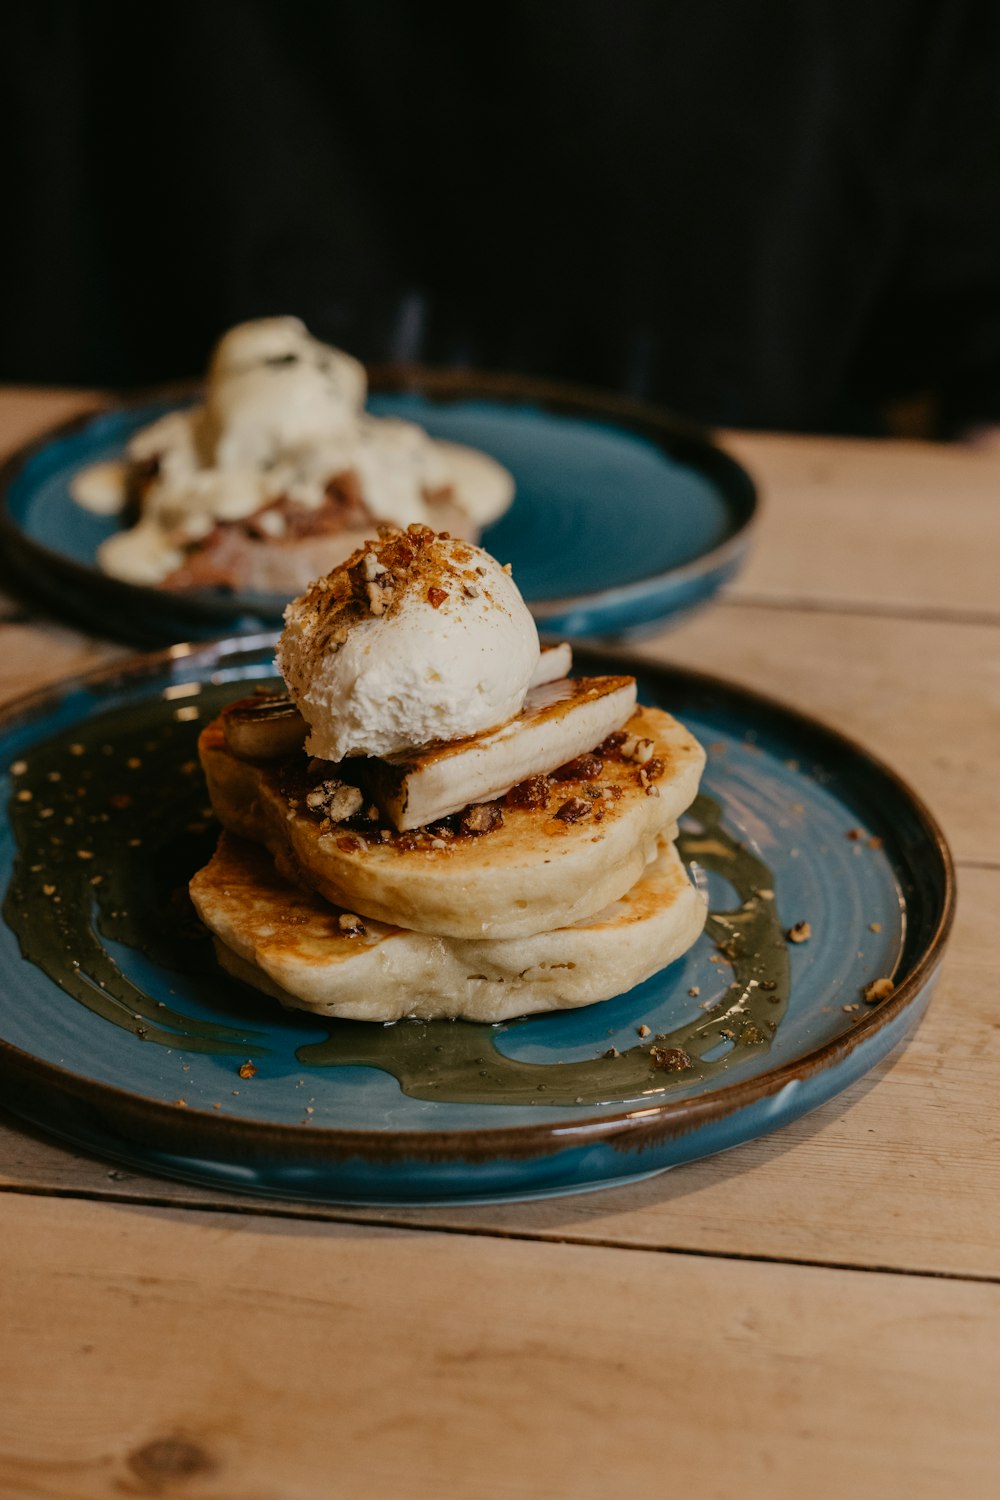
[559,721]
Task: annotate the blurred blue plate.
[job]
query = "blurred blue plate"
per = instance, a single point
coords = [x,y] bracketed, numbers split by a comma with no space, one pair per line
[623,516]
[119,1034]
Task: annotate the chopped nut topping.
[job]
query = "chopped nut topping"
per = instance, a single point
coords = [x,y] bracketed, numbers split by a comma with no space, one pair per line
[247,1070]
[878,989]
[335,800]
[533,793]
[436,597]
[351,925]
[612,1052]
[635,748]
[583,768]
[670,1059]
[572,810]
[612,743]
[644,1030]
[371,566]
[481,818]
[800,933]
[378,594]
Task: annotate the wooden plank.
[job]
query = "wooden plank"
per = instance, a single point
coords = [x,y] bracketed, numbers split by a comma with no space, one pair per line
[923,695]
[901,1171]
[34,654]
[28,411]
[150,1352]
[894,525]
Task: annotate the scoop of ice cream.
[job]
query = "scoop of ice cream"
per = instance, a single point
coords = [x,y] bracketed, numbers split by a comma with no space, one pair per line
[273,387]
[416,638]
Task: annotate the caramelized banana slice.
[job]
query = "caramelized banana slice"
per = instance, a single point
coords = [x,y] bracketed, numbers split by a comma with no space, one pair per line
[559,721]
[264,727]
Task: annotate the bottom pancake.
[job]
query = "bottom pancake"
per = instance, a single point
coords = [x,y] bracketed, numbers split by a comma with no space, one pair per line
[313,956]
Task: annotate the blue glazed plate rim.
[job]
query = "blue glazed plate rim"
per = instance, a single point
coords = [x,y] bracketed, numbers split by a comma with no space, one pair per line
[199,1132]
[681,440]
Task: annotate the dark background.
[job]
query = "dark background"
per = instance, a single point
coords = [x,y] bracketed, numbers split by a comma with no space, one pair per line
[784,213]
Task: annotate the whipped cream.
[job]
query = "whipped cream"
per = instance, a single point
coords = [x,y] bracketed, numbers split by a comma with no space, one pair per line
[283,415]
[416,638]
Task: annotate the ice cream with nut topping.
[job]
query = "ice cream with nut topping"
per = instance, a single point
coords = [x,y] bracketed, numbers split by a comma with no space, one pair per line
[416,638]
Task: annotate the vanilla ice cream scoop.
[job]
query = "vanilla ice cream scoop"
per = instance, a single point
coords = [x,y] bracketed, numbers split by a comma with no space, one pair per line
[416,638]
[273,387]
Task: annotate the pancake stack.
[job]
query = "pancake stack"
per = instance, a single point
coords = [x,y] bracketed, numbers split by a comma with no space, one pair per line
[524,867]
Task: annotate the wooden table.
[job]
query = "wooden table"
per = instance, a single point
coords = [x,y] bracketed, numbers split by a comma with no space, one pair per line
[813,1314]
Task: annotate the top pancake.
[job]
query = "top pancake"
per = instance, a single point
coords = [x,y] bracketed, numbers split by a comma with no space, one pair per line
[546,866]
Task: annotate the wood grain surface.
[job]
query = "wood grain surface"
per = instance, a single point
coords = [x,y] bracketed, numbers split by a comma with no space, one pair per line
[272,1358]
[814,1313]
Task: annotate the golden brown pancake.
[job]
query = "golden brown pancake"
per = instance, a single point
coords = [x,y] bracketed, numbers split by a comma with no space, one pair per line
[314,956]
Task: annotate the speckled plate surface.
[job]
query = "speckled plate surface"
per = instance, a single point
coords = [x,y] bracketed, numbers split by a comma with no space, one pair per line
[119,1034]
[623,515]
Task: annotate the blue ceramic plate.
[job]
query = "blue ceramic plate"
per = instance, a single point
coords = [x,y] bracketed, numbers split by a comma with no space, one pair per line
[119,1034]
[623,516]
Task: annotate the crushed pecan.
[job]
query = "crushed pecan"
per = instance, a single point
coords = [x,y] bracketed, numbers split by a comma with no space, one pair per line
[583,768]
[335,800]
[572,810]
[533,793]
[670,1059]
[481,817]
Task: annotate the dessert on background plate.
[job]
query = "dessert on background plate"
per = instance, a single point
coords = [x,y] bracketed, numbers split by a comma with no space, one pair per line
[436,821]
[279,473]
